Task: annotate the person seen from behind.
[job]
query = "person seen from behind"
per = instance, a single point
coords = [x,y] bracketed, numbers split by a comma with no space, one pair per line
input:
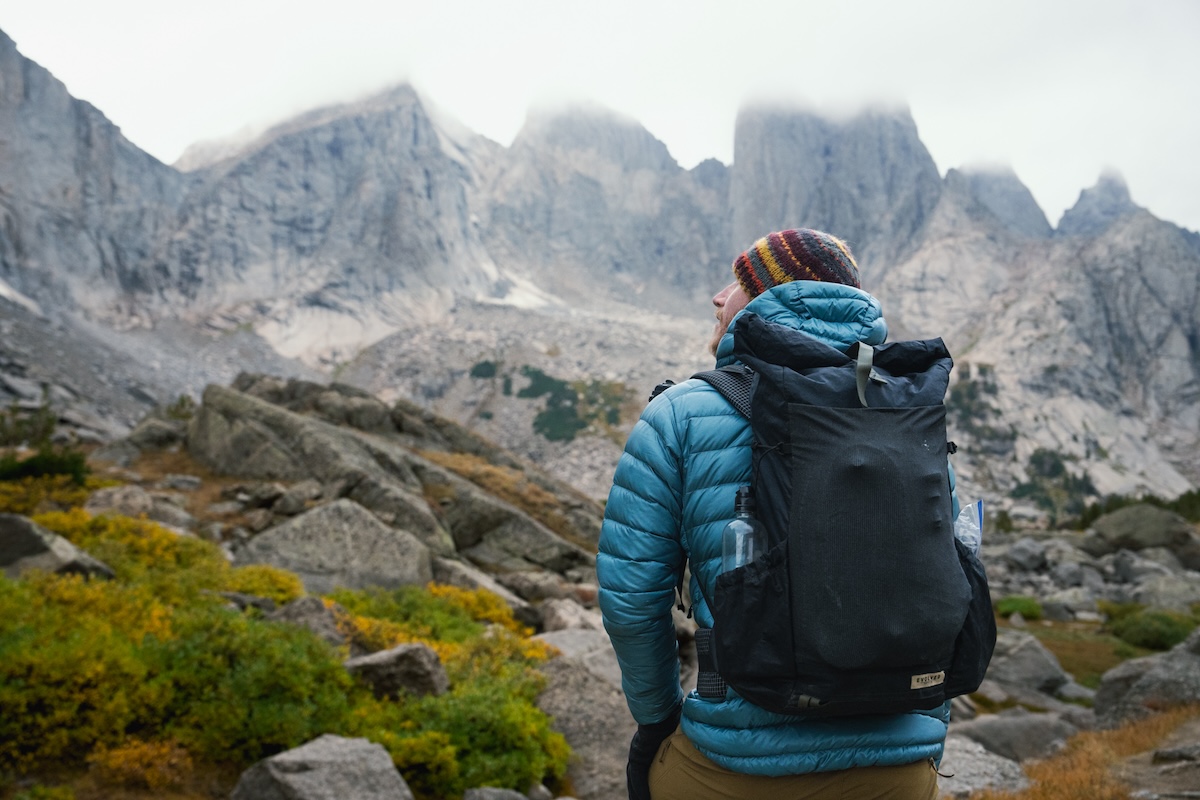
[672,495]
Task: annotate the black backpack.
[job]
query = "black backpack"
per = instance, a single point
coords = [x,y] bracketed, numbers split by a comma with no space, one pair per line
[864,602]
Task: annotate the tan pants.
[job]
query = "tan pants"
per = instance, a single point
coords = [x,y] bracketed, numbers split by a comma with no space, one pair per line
[680,772]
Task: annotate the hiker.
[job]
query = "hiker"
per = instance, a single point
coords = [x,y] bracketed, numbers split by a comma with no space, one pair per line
[672,495]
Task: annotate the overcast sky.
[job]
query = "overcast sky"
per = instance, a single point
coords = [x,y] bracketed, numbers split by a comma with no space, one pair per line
[1059,91]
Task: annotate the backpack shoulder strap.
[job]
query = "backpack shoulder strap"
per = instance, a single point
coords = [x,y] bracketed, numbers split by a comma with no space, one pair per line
[734,383]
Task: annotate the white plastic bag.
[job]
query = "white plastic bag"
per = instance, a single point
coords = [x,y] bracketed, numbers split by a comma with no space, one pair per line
[968,528]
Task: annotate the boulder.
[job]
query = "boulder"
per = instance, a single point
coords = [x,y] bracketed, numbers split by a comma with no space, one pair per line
[341,544]
[129,500]
[563,614]
[1174,592]
[1027,554]
[1018,734]
[1140,686]
[120,453]
[237,434]
[259,519]
[179,482]
[25,545]
[1020,659]
[1137,527]
[327,768]
[592,649]
[495,534]
[1069,602]
[407,668]
[155,433]
[590,712]
[1161,555]
[297,498]
[1130,567]
[1059,551]
[963,708]
[968,767]
[169,511]
[1067,574]
[534,585]
[312,613]
[1175,755]
[243,601]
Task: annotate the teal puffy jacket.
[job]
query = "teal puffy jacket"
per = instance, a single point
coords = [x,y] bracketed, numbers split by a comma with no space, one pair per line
[672,495]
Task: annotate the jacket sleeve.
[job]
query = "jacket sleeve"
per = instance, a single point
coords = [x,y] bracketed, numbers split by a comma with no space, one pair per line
[640,562]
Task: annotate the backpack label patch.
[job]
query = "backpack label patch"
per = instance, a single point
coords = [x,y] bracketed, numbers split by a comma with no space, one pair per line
[928,679]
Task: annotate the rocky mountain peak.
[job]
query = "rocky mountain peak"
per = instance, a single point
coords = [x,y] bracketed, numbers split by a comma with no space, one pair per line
[587,128]
[866,178]
[1000,190]
[1098,207]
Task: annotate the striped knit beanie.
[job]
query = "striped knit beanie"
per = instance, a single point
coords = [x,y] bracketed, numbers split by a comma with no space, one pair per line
[795,255]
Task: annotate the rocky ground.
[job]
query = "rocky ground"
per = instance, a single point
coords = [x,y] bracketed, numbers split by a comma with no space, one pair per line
[340,488]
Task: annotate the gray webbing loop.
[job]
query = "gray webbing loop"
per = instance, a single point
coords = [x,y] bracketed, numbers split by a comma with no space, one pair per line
[862,370]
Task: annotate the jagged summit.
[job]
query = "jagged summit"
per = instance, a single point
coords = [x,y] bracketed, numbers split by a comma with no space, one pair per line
[867,177]
[380,227]
[1000,190]
[586,127]
[1098,207]
[209,153]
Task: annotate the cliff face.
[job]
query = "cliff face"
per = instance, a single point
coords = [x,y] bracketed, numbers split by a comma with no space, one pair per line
[80,206]
[869,178]
[583,251]
[586,195]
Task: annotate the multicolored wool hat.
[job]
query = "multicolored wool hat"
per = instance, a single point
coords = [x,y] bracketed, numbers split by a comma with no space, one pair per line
[795,255]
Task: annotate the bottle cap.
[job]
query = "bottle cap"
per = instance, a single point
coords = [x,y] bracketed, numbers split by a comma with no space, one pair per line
[744,500]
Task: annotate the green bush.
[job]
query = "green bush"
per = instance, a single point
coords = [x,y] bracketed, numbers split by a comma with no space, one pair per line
[183,408]
[420,614]
[484,369]
[1153,628]
[31,428]
[1053,488]
[1027,607]
[239,689]
[486,731]
[154,660]
[48,460]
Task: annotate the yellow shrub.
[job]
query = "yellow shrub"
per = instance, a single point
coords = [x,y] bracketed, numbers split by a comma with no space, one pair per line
[46,493]
[1083,769]
[263,580]
[136,764]
[132,610]
[481,605]
[373,635]
[177,568]
[71,671]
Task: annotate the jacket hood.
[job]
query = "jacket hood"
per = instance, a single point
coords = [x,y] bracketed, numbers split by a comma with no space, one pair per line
[836,314]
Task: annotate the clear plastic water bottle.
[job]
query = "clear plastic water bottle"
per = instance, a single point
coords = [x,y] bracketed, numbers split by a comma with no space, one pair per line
[744,538]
